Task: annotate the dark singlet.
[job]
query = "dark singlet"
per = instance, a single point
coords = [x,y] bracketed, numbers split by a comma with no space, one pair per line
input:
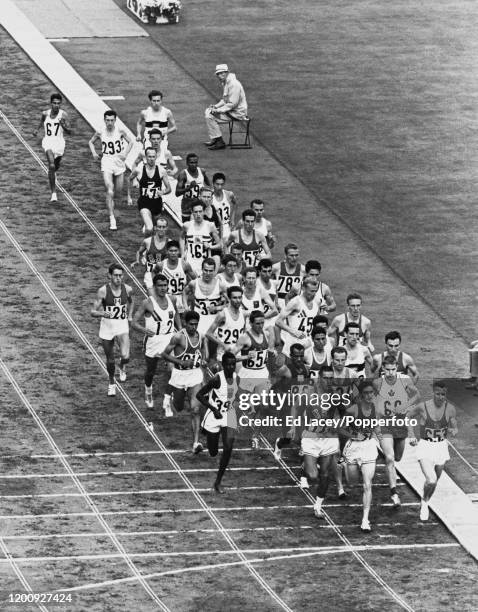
[257,353]
[249,251]
[341,336]
[434,431]
[358,431]
[401,368]
[117,306]
[150,191]
[286,280]
[190,352]
[154,255]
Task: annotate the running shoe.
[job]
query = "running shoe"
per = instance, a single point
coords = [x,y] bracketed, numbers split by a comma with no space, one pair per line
[122,375]
[365,526]
[318,510]
[167,407]
[54,197]
[197,448]
[304,483]
[148,400]
[255,443]
[424,511]
[396,500]
[111,390]
[113,223]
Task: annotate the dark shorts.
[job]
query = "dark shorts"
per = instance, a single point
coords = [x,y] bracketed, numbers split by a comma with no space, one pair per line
[154,206]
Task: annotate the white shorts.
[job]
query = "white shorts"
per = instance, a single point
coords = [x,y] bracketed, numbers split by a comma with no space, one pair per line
[185,379]
[436,452]
[111,164]
[251,379]
[360,452]
[155,345]
[110,328]
[319,447]
[54,144]
[289,340]
[210,423]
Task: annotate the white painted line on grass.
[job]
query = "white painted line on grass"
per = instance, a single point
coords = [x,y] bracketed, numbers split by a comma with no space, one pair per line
[18,572]
[58,40]
[185,451]
[263,583]
[141,492]
[465,461]
[166,532]
[247,551]
[84,494]
[201,568]
[112,97]
[6,517]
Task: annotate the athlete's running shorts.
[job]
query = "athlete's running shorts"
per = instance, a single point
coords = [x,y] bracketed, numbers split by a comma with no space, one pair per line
[360,452]
[185,379]
[110,328]
[54,144]
[155,345]
[436,452]
[319,447]
[210,423]
[111,164]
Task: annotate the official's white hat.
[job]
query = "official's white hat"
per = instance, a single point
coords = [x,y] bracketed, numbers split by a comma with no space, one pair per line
[222,68]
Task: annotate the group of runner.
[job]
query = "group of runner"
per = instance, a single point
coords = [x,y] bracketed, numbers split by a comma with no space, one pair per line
[230,324]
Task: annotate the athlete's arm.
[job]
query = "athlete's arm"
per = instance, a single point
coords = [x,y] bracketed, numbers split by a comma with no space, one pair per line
[139,315]
[233,237]
[334,326]
[188,292]
[367,334]
[215,237]
[129,291]
[234,205]
[172,127]
[417,410]
[410,367]
[176,340]
[189,271]
[271,239]
[177,318]
[206,178]
[261,239]
[134,174]
[289,310]
[65,123]
[244,342]
[98,311]
[368,362]
[181,184]
[452,424]
[203,395]
[40,125]
[329,298]
[219,320]
[144,246]
[166,184]
[412,392]
[267,300]
[129,146]
[91,143]
[376,364]
[140,127]
[183,247]
[173,169]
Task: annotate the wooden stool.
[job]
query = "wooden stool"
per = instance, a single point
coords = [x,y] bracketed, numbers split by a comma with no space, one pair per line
[243,126]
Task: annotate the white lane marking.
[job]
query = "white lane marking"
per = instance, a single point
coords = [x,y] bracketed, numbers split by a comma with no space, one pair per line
[84,494]
[247,551]
[166,532]
[263,583]
[112,97]
[18,572]
[57,40]
[465,461]
[200,568]
[6,517]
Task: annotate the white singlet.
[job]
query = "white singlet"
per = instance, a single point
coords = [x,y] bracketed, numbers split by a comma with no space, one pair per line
[112,145]
[223,209]
[53,140]
[300,321]
[230,331]
[198,240]
[203,303]
[161,322]
[222,399]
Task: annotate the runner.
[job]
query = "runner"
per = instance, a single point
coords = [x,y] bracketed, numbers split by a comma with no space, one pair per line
[153,184]
[160,319]
[229,324]
[256,298]
[220,419]
[156,116]
[229,275]
[396,396]
[319,354]
[113,155]
[187,351]
[225,205]
[54,122]
[254,245]
[178,272]
[359,358]
[360,452]
[437,419]
[190,181]
[289,273]
[295,320]
[353,315]
[152,251]
[324,296]
[199,237]
[405,364]
[114,305]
